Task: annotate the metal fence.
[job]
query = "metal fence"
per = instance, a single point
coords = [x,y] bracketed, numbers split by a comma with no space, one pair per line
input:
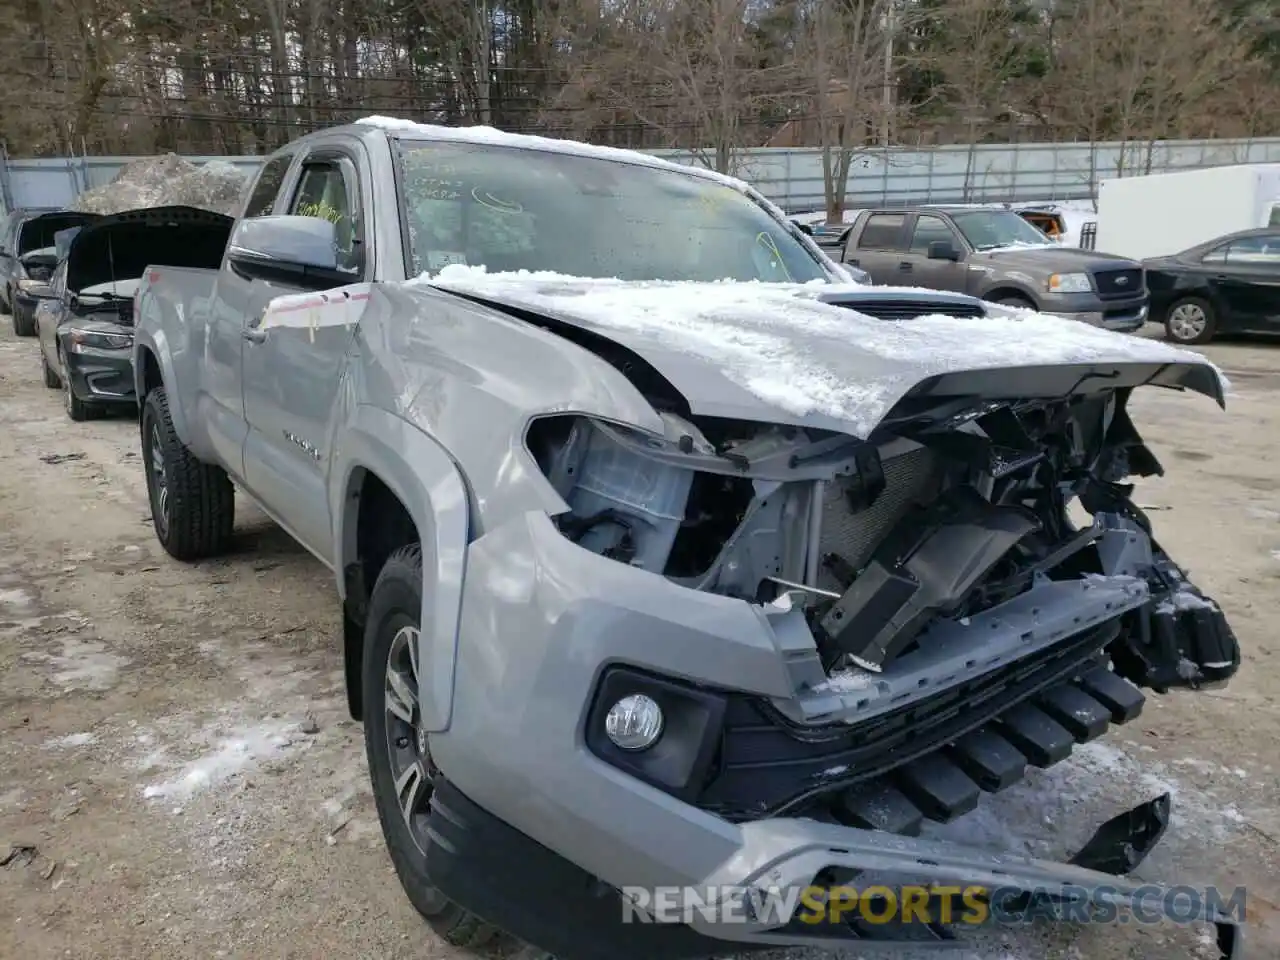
[793,178]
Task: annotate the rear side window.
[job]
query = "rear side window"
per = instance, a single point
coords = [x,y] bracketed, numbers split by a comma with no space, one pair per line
[882,232]
[1247,251]
[263,196]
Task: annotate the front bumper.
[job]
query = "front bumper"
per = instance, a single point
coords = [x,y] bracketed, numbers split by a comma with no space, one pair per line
[543,624]
[100,376]
[560,908]
[1121,319]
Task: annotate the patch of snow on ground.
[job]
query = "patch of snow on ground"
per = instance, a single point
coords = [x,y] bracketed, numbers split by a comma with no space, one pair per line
[84,664]
[799,354]
[72,740]
[244,748]
[15,599]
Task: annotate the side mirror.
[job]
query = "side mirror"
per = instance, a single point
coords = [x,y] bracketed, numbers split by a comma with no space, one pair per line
[37,289]
[301,250]
[805,228]
[943,250]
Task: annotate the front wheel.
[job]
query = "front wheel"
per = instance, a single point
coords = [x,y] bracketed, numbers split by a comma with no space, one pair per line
[192,502]
[1013,300]
[24,321]
[51,378]
[1190,320]
[397,748]
[77,409]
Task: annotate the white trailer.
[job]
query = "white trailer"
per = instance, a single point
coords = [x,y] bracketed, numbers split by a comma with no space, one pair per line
[1165,213]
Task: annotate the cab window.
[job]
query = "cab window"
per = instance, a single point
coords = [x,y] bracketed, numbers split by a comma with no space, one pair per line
[928,230]
[324,191]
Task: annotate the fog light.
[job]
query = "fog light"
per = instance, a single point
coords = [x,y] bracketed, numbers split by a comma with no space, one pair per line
[634,722]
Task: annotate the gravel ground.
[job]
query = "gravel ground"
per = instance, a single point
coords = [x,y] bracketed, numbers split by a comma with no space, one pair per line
[178,777]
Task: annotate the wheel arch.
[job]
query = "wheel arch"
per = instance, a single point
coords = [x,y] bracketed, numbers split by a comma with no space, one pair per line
[394,482]
[1009,289]
[153,367]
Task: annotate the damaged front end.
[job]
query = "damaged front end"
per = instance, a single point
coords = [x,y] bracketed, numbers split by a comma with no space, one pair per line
[968,591]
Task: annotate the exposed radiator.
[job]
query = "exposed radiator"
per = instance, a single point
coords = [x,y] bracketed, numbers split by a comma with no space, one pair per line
[910,478]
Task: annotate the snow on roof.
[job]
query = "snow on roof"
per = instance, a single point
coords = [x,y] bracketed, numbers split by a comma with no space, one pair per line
[793,351]
[500,138]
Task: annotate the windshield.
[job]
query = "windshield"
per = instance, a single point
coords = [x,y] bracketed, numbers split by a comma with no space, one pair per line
[515,209]
[989,229]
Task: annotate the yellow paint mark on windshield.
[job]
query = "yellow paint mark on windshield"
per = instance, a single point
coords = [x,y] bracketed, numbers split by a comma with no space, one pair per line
[771,246]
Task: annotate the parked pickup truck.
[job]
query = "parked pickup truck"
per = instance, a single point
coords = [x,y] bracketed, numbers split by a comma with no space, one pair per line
[670,562]
[997,255]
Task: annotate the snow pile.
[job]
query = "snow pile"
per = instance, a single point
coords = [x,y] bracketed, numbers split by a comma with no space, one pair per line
[779,342]
[167,181]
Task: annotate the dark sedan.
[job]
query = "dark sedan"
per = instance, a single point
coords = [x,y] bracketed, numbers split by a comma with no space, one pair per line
[27,259]
[85,316]
[1228,285]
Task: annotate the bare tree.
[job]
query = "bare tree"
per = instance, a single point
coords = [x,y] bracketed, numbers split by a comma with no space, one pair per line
[979,48]
[686,68]
[849,67]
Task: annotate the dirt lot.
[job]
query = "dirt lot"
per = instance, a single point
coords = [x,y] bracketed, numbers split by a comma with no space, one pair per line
[180,779]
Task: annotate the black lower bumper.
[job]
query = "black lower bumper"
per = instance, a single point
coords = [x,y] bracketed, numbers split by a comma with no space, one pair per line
[101,377]
[499,874]
[513,882]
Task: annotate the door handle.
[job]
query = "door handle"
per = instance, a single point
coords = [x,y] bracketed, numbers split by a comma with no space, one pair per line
[854,261]
[904,265]
[254,334]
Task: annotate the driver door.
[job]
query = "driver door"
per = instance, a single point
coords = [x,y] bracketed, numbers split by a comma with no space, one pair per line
[935,274]
[293,365]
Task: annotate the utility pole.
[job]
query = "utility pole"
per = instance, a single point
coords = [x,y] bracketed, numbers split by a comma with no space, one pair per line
[890,29]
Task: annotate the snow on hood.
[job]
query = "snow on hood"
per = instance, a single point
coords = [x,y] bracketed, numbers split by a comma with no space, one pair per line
[800,355]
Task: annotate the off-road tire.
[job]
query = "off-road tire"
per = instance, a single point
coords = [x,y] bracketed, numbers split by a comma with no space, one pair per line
[197,517]
[51,378]
[397,601]
[24,323]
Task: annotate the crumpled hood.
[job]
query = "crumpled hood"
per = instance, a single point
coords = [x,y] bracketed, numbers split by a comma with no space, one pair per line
[775,352]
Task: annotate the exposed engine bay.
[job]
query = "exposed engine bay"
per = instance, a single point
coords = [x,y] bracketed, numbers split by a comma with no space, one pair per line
[925,585]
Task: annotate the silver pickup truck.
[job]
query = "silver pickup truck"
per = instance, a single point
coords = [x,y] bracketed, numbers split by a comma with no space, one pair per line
[674,567]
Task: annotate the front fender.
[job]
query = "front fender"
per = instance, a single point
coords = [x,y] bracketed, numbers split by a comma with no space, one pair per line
[426,480]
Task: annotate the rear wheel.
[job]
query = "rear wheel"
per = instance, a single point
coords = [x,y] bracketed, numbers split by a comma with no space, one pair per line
[192,502]
[1190,320]
[397,746]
